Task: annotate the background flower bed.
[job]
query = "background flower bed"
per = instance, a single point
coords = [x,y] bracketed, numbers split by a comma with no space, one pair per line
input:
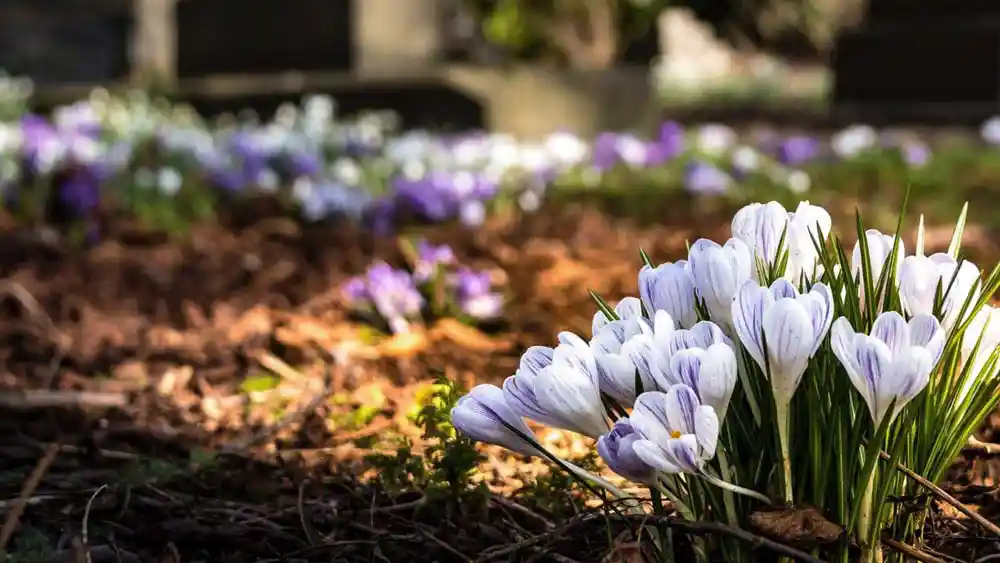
[210,327]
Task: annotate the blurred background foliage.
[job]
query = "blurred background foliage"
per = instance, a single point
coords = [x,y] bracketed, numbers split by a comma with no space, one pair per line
[594,33]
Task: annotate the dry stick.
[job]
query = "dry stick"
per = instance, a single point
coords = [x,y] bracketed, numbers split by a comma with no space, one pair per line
[693,528]
[31,305]
[28,489]
[976,445]
[911,551]
[41,399]
[982,521]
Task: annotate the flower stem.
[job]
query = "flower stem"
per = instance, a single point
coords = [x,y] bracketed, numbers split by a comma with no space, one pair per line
[597,480]
[871,552]
[734,488]
[781,414]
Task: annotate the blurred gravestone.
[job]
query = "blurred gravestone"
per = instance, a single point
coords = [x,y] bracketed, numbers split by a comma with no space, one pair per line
[397,35]
[262,36]
[65,41]
[920,61]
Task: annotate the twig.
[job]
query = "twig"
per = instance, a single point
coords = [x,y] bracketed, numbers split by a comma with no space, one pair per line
[86,516]
[941,493]
[41,399]
[444,545]
[28,489]
[505,503]
[34,309]
[276,365]
[976,445]
[911,551]
[693,528]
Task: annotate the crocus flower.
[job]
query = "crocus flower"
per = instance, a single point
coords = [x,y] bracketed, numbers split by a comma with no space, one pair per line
[798,150]
[920,276]
[761,226]
[718,272]
[893,363]
[984,331]
[678,433]
[473,292]
[615,448]
[615,370]
[793,325]
[390,292]
[563,393]
[706,179]
[429,258]
[879,251]
[628,309]
[669,287]
[483,415]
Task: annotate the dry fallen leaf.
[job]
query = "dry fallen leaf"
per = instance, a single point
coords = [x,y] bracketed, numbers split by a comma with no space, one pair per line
[467,336]
[404,344]
[805,526]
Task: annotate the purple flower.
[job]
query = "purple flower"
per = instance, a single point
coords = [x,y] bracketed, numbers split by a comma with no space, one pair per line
[605,154]
[916,154]
[703,178]
[798,149]
[389,292]
[429,259]
[670,143]
[474,296]
[302,163]
[615,448]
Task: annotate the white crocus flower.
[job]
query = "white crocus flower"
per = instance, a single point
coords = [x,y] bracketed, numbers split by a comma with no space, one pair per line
[669,287]
[484,415]
[879,251]
[718,272]
[920,276]
[893,363]
[628,309]
[678,433]
[615,369]
[563,394]
[984,330]
[792,324]
[760,226]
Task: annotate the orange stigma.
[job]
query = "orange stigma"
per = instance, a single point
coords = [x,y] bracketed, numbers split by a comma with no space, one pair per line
[675,433]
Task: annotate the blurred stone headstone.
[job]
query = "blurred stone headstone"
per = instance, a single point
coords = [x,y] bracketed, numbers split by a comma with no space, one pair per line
[65,41]
[154,41]
[691,54]
[397,36]
[926,61]
[262,36]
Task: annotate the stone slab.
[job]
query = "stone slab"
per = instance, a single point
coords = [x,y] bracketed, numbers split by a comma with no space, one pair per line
[919,66]
[64,41]
[260,36]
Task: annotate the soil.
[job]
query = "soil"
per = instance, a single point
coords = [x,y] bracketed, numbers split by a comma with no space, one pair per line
[124,358]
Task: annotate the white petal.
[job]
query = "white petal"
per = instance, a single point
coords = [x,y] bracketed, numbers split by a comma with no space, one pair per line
[649,417]
[573,397]
[706,430]
[890,327]
[652,455]
[680,406]
[683,452]
[481,415]
[629,308]
[873,357]
[748,317]
[646,358]
[789,333]
[905,378]
[717,379]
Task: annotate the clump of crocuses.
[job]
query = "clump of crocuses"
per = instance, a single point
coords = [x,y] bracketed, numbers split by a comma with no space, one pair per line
[434,285]
[777,367]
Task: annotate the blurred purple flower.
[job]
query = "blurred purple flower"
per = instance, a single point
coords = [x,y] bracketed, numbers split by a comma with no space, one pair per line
[798,150]
[389,292]
[916,154]
[474,296]
[705,179]
[605,155]
[429,259]
[671,140]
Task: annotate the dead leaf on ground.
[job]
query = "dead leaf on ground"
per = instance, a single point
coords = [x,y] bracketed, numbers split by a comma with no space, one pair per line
[798,526]
[404,344]
[467,336]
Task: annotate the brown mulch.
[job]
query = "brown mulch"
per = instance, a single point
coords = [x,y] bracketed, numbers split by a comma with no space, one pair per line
[123,359]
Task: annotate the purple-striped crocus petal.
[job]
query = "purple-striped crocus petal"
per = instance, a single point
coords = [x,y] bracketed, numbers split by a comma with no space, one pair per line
[782,289]
[718,273]
[925,331]
[483,415]
[681,403]
[683,452]
[569,390]
[818,302]
[890,327]
[843,343]
[706,431]
[654,456]
[717,378]
[615,448]
[649,417]
[629,308]
[669,287]
[534,359]
[874,358]
[748,310]
[686,366]
[903,379]
[600,321]
[651,364]
[788,328]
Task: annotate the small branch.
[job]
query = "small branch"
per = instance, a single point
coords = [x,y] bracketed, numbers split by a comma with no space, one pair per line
[41,399]
[974,444]
[943,495]
[911,552]
[28,489]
